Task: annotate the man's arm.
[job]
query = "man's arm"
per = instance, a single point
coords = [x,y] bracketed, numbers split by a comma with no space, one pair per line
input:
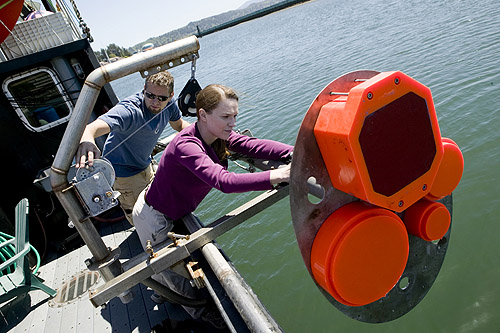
[179,124]
[87,150]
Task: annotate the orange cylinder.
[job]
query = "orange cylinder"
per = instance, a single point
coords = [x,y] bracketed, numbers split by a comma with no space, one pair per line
[427,219]
[359,253]
[449,173]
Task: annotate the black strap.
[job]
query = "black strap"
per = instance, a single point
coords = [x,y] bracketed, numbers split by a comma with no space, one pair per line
[187,98]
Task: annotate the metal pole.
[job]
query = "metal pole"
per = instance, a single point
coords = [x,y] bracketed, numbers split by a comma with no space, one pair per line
[143,266]
[161,58]
[244,299]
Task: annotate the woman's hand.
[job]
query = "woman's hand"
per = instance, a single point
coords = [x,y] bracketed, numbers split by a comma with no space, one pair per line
[280,175]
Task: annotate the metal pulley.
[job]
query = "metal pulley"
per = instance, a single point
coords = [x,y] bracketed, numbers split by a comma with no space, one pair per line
[93,186]
[375,240]
[187,97]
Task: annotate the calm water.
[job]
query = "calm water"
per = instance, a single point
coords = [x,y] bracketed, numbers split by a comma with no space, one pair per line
[279,63]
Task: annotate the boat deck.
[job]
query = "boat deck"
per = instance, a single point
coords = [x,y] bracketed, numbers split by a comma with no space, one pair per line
[34,312]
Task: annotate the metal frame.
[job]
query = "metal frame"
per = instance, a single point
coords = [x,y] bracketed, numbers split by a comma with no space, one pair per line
[147,61]
[142,266]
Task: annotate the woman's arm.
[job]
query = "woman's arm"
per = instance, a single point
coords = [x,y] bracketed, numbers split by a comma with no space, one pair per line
[258,148]
[192,155]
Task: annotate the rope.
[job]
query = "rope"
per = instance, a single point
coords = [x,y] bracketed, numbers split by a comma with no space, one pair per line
[172,101]
[16,38]
[137,130]
[7,252]
[45,20]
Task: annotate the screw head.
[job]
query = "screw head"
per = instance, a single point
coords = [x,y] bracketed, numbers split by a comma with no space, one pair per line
[369,95]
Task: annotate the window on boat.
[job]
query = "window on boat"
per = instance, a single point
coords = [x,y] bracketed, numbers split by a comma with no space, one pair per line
[39,98]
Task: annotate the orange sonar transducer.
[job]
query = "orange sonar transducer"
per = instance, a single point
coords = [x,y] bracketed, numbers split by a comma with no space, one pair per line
[381,142]
[359,253]
[427,219]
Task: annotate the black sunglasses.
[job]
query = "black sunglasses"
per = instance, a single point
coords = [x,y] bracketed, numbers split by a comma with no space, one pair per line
[153,96]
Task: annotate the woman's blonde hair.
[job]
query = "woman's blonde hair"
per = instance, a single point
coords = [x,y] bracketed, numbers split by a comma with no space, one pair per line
[207,99]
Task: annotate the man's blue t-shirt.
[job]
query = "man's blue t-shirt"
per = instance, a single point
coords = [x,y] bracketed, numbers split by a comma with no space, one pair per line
[134,154]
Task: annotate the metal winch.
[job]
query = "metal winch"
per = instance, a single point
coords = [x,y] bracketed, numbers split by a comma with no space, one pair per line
[93,186]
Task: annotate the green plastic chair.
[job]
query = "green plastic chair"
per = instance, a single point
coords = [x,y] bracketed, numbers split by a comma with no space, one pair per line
[21,280]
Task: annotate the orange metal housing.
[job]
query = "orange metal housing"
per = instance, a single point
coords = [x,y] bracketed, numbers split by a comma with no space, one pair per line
[381,142]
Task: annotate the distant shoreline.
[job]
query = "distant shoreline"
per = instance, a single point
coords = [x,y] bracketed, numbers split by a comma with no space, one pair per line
[248,17]
[219,22]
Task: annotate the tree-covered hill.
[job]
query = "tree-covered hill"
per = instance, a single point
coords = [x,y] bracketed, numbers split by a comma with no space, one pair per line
[192,28]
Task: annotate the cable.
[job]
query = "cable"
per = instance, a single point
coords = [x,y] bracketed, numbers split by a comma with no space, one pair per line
[10,252]
[172,101]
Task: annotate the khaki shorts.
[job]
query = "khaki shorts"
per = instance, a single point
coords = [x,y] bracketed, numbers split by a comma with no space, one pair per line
[131,187]
[152,225]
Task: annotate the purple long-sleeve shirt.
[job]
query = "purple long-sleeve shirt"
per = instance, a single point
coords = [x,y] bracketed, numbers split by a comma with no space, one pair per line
[189,169]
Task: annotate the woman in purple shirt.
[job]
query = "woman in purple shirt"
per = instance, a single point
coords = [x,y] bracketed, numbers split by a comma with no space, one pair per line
[194,163]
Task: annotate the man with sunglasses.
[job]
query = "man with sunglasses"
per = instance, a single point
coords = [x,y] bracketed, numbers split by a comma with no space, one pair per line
[134,126]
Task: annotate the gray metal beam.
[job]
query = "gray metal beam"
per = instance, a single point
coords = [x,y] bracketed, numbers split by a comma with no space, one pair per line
[141,267]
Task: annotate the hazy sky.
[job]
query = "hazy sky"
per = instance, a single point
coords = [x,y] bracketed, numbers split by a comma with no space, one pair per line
[127,22]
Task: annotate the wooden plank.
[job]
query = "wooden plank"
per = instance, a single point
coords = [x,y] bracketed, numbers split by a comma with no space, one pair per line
[14,312]
[80,316]
[155,313]
[85,316]
[119,316]
[6,315]
[85,313]
[138,318]
[70,310]
[138,313]
[37,302]
[6,284]
[102,321]
[118,312]
[101,317]
[54,314]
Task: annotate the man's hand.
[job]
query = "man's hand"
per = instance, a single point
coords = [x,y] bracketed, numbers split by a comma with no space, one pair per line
[87,152]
